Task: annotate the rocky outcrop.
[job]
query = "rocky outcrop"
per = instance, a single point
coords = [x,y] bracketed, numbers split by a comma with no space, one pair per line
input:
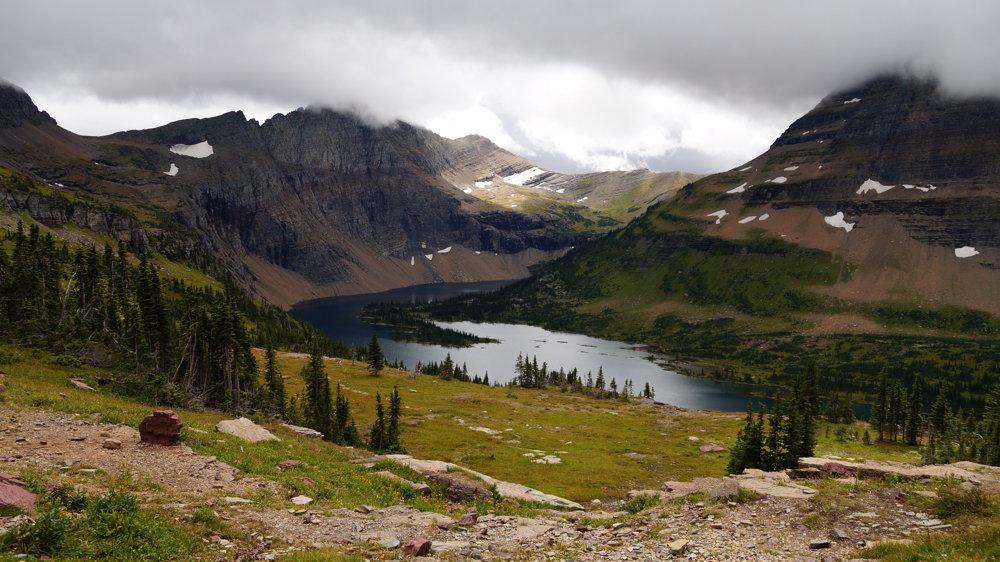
[162,427]
[14,493]
[245,429]
[17,109]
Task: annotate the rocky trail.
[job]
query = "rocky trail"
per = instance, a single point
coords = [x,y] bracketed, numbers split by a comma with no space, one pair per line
[772,525]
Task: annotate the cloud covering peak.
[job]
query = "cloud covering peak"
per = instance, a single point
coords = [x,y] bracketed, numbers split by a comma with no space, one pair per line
[575,85]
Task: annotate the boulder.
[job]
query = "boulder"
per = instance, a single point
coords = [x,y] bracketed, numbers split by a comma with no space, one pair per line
[711,448]
[301,500]
[112,444]
[469,519]
[461,489]
[13,493]
[162,427]
[817,544]
[246,430]
[678,546]
[79,384]
[418,546]
[306,431]
[290,463]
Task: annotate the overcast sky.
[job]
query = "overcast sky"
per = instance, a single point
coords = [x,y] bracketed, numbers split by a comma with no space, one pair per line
[573,85]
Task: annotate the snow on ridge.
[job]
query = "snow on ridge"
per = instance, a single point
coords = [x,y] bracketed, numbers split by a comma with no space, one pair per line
[719,215]
[561,190]
[482,184]
[837,221]
[745,220]
[922,188]
[738,189]
[525,176]
[467,190]
[872,185]
[966,252]
[430,257]
[173,170]
[445,250]
[745,169]
[200,150]
[582,199]
[779,179]
[791,168]
[852,100]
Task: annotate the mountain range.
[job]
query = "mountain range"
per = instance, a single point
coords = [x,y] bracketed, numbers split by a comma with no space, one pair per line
[310,203]
[869,229]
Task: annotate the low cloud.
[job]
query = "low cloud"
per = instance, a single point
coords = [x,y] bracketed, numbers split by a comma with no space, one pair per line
[576,85]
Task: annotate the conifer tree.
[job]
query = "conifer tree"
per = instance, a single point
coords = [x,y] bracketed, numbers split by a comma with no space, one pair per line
[377,436]
[275,384]
[392,440]
[914,412]
[376,361]
[879,417]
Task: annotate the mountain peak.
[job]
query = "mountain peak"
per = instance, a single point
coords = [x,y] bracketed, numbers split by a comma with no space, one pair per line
[16,108]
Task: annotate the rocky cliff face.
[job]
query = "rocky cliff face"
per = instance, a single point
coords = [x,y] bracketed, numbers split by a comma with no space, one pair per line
[315,201]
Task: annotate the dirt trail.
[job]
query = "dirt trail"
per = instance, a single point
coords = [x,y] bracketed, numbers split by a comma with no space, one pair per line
[767,529]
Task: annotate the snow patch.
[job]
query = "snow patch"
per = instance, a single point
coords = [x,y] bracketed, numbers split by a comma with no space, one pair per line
[719,215]
[478,252]
[779,179]
[561,190]
[430,257]
[837,221]
[965,252]
[739,188]
[872,185]
[200,150]
[924,189]
[852,100]
[745,169]
[412,260]
[745,220]
[514,206]
[482,184]
[524,177]
[764,217]
[445,250]
[582,199]
[791,168]
[467,190]
[173,170]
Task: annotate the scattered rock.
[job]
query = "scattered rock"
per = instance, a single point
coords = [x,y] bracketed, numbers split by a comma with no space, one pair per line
[460,488]
[418,546]
[694,439]
[469,519]
[14,493]
[285,465]
[112,444]
[817,544]
[233,499]
[78,438]
[246,430]
[711,448]
[838,535]
[306,431]
[79,384]
[678,546]
[162,427]
[308,481]
[364,509]
[389,543]
[301,500]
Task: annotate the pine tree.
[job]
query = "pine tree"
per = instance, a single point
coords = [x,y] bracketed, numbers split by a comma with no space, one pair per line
[275,384]
[376,361]
[377,436]
[914,412]
[775,453]
[879,414]
[738,453]
[392,440]
[316,402]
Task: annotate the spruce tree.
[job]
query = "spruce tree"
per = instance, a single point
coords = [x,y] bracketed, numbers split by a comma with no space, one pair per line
[377,437]
[879,414]
[738,453]
[376,361]
[393,443]
[775,453]
[275,384]
[914,412]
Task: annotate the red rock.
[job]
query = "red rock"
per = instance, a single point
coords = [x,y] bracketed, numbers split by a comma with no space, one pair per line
[711,448]
[14,494]
[469,519]
[419,546]
[308,481]
[285,465]
[162,427]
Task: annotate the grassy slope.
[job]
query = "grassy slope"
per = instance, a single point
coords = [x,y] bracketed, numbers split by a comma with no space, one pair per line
[596,435]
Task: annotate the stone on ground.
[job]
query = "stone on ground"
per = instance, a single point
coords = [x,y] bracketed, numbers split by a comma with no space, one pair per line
[301,500]
[418,546]
[678,546]
[112,444]
[817,544]
[285,465]
[79,384]
[305,431]
[246,430]
[162,427]
[14,493]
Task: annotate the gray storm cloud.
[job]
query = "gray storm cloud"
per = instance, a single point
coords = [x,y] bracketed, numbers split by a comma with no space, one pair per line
[459,63]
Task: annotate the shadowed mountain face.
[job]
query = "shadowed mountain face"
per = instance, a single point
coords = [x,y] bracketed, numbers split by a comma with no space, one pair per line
[876,212]
[318,202]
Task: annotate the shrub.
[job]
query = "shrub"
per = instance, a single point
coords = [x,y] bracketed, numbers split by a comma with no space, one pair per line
[641,502]
[64,360]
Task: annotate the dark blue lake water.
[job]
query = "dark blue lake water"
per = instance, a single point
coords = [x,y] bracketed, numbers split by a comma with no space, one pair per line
[338,318]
